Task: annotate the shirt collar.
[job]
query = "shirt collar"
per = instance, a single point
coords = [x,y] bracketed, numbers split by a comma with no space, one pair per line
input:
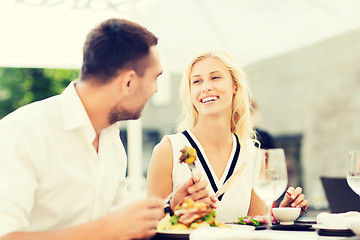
[74,113]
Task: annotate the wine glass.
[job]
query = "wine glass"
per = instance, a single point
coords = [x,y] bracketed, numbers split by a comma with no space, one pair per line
[353,171]
[270,178]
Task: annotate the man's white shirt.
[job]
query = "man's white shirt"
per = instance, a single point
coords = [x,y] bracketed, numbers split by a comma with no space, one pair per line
[51,176]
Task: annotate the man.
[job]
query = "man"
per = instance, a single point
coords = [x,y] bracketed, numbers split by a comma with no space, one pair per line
[63,165]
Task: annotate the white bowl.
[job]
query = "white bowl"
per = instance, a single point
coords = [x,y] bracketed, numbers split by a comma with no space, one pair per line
[286,215]
[355,226]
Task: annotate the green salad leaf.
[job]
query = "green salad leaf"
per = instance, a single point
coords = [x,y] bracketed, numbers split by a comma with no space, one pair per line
[174,219]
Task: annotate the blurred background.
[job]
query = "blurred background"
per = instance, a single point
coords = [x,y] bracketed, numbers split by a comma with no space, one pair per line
[302,58]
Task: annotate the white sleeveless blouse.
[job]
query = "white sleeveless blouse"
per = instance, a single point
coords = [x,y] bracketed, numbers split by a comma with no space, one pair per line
[235,201]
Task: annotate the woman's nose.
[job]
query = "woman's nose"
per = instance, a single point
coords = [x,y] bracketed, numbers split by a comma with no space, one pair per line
[206,86]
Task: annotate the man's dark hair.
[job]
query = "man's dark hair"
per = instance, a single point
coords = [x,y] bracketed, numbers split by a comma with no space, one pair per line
[115,45]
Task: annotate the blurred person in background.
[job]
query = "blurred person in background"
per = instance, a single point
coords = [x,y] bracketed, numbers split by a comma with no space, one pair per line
[264,137]
[215,97]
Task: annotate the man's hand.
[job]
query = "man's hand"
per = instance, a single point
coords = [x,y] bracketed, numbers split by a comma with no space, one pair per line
[137,220]
[134,221]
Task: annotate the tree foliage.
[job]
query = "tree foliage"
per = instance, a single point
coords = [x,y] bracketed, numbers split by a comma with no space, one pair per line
[20,86]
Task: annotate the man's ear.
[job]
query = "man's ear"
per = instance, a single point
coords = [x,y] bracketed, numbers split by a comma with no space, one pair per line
[128,80]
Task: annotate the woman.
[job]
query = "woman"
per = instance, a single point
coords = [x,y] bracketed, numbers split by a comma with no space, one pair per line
[217,123]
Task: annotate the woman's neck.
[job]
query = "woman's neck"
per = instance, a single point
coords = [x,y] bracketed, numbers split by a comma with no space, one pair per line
[213,131]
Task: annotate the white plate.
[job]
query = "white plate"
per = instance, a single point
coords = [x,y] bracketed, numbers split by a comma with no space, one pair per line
[187,232]
[320,226]
[242,227]
[174,232]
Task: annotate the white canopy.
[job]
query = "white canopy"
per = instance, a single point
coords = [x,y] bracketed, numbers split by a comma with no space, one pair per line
[50,33]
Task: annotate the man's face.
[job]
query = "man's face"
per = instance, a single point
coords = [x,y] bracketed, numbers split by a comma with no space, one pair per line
[144,88]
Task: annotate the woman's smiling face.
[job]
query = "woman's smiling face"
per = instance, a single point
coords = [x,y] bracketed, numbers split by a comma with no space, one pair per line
[211,87]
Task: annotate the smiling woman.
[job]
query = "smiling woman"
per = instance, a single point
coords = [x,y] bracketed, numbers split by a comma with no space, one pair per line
[218,67]
[216,97]
[211,83]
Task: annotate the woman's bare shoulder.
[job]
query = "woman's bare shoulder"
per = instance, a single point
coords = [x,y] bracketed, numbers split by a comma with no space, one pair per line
[163,147]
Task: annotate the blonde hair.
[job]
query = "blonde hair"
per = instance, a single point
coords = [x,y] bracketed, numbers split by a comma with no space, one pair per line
[240,119]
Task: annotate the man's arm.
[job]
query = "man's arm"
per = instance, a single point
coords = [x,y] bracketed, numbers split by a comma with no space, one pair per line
[19,174]
[134,221]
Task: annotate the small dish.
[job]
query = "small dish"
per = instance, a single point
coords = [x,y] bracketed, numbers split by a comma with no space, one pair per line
[334,232]
[293,227]
[286,215]
[355,226]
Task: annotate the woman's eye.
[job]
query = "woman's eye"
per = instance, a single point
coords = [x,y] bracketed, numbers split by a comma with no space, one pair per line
[215,77]
[196,81]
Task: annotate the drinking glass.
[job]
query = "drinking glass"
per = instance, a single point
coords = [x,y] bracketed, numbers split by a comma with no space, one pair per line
[270,178]
[353,171]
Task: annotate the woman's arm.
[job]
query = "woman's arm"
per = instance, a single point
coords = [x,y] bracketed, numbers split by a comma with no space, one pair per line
[159,175]
[160,182]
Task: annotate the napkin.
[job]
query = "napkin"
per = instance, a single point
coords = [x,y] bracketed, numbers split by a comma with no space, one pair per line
[214,233]
[349,220]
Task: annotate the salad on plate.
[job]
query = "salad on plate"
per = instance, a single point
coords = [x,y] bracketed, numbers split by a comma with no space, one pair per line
[190,214]
[254,220]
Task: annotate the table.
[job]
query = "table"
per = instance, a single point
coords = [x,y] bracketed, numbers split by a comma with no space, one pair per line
[239,234]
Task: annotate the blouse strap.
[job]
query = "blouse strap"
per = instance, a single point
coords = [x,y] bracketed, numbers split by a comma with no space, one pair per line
[202,161]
